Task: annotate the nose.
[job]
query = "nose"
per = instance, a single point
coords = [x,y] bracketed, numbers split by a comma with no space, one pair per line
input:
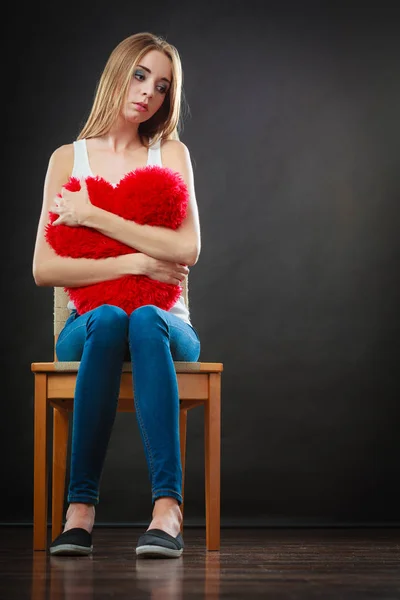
[148,90]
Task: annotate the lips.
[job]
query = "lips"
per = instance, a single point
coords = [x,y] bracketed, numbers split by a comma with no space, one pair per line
[142,106]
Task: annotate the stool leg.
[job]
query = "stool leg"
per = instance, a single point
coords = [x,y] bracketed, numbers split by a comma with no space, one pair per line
[60,447]
[182,437]
[212,430]
[40,477]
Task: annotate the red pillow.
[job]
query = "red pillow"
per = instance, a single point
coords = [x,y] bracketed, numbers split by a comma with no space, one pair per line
[149,195]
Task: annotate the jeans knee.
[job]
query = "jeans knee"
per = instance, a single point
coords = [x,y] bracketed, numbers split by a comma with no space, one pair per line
[109,320]
[146,321]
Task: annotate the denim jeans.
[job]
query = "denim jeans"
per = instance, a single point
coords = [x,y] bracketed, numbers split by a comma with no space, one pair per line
[102,339]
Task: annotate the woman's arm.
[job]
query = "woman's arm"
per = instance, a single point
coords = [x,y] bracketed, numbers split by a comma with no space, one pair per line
[181,245]
[49,269]
[75,272]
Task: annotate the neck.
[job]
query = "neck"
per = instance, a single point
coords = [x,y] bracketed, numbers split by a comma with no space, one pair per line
[122,138]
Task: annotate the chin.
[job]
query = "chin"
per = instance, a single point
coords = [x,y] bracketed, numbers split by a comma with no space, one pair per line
[134,118]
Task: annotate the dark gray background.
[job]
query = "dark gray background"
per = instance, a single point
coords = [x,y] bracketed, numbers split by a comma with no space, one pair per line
[294,137]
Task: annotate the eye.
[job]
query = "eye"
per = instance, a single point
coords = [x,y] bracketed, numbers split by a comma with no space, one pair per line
[141,76]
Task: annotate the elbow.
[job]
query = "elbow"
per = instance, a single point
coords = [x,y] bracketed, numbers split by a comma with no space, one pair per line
[191,260]
[38,279]
[192,256]
[39,276]
[36,275]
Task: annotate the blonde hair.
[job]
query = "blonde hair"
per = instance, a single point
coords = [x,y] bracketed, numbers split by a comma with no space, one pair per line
[113,87]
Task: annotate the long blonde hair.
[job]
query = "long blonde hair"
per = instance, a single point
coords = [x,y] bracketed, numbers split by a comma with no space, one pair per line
[113,86]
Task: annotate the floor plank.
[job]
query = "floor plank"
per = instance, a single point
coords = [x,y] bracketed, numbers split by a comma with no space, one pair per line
[254,563]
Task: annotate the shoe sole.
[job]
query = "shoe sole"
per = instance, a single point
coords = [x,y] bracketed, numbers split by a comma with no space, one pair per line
[71,550]
[158,552]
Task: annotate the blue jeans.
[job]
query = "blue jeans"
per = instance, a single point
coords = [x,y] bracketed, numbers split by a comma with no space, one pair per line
[102,339]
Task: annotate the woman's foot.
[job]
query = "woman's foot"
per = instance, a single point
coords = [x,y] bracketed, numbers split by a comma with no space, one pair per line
[80,515]
[76,539]
[167,516]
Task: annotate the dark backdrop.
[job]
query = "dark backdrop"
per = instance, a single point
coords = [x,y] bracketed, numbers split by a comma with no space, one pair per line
[294,137]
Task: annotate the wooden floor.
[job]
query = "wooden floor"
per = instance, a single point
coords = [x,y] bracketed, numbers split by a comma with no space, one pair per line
[295,564]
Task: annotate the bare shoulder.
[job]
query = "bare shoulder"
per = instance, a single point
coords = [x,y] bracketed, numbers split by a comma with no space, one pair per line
[63,157]
[59,169]
[175,154]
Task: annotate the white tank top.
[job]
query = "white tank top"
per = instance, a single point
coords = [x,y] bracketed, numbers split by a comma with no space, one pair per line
[82,168]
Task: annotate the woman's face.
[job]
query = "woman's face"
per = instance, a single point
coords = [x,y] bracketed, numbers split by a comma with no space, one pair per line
[150,83]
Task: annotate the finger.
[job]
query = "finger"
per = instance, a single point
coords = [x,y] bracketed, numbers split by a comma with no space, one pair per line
[66,197]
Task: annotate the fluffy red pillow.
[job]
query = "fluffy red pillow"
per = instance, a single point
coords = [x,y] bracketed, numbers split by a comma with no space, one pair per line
[149,195]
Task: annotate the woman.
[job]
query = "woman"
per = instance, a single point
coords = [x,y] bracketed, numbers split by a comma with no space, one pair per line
[133,122]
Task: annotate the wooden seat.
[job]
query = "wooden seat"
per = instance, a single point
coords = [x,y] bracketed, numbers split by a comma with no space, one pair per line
[198,383]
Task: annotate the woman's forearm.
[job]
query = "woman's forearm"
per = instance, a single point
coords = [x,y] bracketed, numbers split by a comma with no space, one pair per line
[159,242]
[76,272]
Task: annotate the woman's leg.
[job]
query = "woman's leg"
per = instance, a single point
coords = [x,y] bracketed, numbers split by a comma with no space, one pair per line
[98,339]
[156,340]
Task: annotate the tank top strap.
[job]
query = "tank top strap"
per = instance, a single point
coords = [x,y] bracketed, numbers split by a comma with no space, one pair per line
[81,166]
[154,154]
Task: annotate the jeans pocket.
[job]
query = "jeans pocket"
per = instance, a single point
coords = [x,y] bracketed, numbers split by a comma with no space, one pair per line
[67,323]
[195,330]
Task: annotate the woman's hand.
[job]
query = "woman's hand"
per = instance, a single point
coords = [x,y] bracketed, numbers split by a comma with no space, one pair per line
[73,208]
[163,270]
[160,270]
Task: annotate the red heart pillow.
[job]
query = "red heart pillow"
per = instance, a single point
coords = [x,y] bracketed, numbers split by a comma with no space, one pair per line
[149,195]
